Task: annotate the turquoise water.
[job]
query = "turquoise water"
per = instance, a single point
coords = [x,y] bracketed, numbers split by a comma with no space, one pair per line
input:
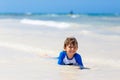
[92,22]
[78,18]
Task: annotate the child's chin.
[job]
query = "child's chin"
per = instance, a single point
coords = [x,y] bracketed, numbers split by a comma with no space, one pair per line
[72,53]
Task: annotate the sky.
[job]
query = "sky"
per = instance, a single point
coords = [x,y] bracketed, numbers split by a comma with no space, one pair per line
[59,6]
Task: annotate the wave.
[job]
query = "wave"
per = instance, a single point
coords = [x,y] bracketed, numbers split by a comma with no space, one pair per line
[46,23]
[104,62]
[27,48]
[74,16]
[42,53]
[100,35]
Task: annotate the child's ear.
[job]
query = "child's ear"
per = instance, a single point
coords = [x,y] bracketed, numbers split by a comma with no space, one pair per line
[77,48]
[64,49]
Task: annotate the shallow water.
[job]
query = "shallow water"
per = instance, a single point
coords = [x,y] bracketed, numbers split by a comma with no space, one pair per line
[27,45]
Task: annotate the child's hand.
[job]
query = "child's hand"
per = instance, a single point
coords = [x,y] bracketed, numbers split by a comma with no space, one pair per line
[82,67]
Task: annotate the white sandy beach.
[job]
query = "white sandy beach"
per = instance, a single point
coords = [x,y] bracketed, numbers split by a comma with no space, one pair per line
[27,52]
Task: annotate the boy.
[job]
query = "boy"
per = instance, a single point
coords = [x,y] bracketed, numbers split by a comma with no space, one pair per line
[69,55]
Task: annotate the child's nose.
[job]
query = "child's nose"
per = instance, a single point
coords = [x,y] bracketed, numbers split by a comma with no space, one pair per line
[72,48]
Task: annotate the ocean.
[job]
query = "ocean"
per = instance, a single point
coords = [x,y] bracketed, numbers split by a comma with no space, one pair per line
[30,42]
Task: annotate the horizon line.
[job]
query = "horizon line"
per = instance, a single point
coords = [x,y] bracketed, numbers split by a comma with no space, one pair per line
[55,13]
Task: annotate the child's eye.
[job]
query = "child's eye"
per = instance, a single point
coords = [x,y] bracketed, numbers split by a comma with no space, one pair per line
[72,47]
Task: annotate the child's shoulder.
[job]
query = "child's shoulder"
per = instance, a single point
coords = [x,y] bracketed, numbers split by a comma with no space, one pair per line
[77,54]
[63,52]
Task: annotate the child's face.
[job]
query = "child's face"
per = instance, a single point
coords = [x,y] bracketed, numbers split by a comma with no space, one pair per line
[71,49]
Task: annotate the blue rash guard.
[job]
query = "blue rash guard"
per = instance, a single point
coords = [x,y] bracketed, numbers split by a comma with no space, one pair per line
[64,60]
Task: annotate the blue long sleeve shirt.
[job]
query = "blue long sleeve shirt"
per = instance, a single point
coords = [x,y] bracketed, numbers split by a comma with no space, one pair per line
[64,60]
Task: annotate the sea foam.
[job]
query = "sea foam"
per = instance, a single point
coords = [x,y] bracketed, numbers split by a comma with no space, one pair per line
[46,23]
[25,48]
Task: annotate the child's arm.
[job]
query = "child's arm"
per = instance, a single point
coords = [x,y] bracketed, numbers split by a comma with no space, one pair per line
[60,58]
[79,60]
[80,63]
